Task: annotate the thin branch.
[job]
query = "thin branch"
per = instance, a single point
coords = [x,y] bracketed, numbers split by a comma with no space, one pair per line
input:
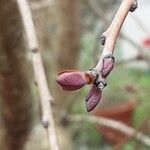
[113,31]
[109,38]
[100,14]
[116,125]
[45,96]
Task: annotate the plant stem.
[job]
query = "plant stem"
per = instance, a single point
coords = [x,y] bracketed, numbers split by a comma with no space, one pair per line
[113,30]
[116,125]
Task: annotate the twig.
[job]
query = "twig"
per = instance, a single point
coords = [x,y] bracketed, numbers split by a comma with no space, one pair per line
[45,96]
[100,14]
[108,39]
[112,32]
[116,125]
[110,36]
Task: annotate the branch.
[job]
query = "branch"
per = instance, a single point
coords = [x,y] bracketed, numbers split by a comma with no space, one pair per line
[45,96]
[100,14]
[112,32]
[109,38]
[114,125]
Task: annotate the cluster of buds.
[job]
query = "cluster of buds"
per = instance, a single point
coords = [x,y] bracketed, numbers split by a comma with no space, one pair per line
[71,80]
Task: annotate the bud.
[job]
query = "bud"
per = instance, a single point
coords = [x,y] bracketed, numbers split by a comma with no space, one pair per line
[71,80]
[108,64]
[93,98]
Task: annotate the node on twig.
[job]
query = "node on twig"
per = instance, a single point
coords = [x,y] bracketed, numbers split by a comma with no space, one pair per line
[35,50]
[103,39]
[134,6]
[45,123]
[100,84]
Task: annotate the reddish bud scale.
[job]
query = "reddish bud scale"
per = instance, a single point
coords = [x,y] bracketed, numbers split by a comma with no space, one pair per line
[93,98]
[108,64]
[71,80]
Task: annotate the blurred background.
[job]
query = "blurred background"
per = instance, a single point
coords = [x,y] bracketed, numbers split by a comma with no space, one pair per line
[69,32]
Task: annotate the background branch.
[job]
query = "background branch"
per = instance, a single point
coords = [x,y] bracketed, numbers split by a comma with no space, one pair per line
[45,96]
[112,124]
[109,37]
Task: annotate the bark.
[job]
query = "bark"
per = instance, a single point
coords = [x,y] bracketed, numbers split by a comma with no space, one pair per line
[14,83]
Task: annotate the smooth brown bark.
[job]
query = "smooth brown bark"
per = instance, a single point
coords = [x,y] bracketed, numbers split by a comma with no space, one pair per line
[15,92]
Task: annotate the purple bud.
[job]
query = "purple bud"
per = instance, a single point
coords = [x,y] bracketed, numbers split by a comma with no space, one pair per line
[108,64]
[71,80]
[93,98]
